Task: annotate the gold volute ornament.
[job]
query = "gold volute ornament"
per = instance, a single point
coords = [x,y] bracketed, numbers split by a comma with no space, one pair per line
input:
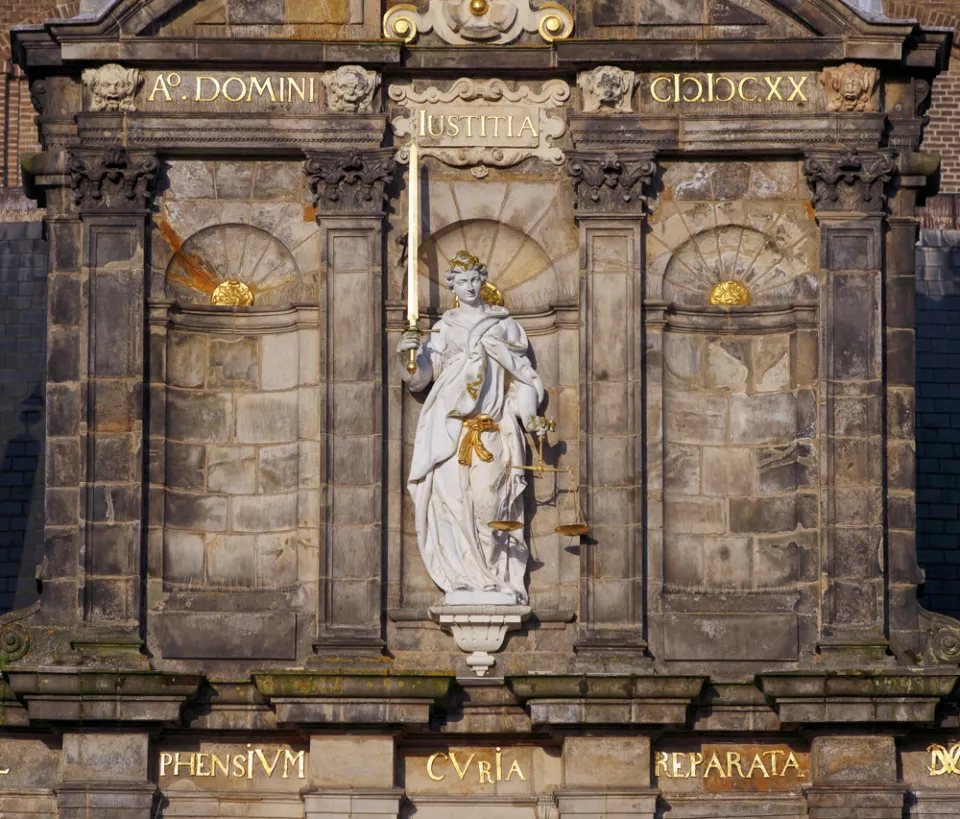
[232,293]
[730,293]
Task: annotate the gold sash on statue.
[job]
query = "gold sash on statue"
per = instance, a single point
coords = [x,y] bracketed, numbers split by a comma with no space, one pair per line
[471,442]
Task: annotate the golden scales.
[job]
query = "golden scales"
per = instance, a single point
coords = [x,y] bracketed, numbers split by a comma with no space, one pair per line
[538,426]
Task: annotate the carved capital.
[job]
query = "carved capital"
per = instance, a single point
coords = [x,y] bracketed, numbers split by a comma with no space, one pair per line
[610,182]
[349,182]
[112,179]
[849,179]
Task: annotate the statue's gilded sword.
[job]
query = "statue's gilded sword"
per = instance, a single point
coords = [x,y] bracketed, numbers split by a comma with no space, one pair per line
[413,250]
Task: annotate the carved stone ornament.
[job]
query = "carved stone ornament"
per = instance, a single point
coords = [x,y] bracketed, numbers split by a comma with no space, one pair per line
[610,182]
[943,637]
[349,182]
[607,88]
[849,180]
[112,87]
[112,179]
[351,89]
[38,95]
[469,22]
[850,87]
[482,96]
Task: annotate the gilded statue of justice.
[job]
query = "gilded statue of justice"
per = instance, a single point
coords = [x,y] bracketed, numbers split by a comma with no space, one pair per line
[469,468]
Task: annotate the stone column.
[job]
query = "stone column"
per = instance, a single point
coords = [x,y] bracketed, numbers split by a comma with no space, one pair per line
[352,776]
[849,196]
[95,413]
[854,777]
[607,777]
[348,194]
[610,212]
[105,776]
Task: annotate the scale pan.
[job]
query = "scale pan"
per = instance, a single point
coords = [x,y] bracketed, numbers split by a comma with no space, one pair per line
[573,529]
[505,525]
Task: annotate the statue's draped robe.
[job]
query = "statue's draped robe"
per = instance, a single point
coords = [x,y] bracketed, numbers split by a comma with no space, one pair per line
[480,367]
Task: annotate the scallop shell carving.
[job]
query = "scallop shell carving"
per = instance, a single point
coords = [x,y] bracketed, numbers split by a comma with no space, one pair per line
[233,252]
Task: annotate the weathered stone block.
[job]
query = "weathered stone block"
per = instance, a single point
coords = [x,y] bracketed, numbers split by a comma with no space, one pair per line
[63,409]
[264,513]
[728,365]
[182,555]
[276,560]
[233,363]
[681,469]
[696,515]
[853,758]
[775,561]
[232,470]
[856,552]
[116,406]
[695,417]
[185,464]
[113,548]
[280,356]
[66,304]
[277,468]
[199,416]
[683,561]
[63,354]
[105,757]
[356,460]
[231,559]
[352,762]
[63,461]
[728,637]
[113,503]
[595,762]
[727,471]
[267,418]
[186,359]
[762,419]
[202,513]
[776,514]
[229,635]
[111,599]
[727,562]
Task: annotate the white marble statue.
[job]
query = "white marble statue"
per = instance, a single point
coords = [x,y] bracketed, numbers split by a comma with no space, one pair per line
[471,427]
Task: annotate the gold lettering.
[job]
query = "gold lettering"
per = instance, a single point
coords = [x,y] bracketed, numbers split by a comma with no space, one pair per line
[461,773]
[714,763]
[733,758]
[423,123]
[470,118]
[510,126]
[677,763]
[496,125]
[433,758]
[774,88]
[699,86]
[757,763]
[696,760]
[676,87]
[483,126]
[453,125]
[281,90]
[266,86]
[292,86]
[709,87]
[243,89]
[791,763]
[483,770]
[773,761]
[263,761]
[223,766]
[177,764]
[249,763]
[161,86]
[528,123]
[200,760]
[311,89]
[516,767]
[289,758]
[216,93]
[740,85]
[499,756]
[430,126]
[662,758]
[239,763]
[733,89]
[653,89]
[796,89]
[165,759]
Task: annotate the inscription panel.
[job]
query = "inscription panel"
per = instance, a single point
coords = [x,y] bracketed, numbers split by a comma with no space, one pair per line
[222,766]
[730,91]
[714,767]
[481,770]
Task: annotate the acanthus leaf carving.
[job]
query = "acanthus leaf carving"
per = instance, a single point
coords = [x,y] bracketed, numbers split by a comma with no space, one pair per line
[610,182]
[849,179]
[112,179]
[349,182]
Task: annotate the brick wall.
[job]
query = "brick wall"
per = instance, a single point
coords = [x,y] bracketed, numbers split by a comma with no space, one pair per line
[943,134]
[23,310]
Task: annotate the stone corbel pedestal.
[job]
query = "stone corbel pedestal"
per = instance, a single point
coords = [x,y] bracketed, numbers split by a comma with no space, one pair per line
[480,629]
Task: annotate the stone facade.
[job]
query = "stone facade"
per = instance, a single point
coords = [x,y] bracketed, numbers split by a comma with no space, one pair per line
[234,618]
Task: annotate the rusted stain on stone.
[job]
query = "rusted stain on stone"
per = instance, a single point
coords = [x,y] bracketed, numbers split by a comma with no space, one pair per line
[198,275]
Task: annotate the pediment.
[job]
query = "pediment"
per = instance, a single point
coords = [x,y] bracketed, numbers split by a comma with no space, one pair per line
[743,17]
